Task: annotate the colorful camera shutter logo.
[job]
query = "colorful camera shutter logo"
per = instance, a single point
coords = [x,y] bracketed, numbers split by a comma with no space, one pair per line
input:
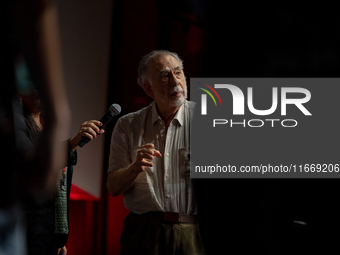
[204,97]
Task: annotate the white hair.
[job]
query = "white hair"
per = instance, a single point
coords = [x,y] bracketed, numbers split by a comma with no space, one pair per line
[144,63]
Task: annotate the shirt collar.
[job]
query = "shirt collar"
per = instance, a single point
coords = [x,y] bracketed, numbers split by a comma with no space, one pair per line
[179,115]
[154,114]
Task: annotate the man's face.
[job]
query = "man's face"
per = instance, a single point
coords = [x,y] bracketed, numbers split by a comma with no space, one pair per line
[167,81]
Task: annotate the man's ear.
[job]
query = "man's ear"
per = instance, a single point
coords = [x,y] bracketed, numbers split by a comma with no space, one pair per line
[148,89]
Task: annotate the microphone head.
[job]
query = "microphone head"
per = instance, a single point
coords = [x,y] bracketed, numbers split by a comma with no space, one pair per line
[115,109]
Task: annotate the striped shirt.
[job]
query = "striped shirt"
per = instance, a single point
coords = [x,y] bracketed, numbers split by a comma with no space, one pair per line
[167,185]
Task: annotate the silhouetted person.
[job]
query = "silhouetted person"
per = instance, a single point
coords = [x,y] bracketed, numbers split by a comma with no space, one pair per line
[29,28]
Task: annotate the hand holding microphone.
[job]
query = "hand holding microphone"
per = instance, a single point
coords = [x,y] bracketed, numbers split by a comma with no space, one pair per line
[91,129]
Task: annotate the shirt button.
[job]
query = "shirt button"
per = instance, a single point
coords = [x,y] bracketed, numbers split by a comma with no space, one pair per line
[167,196]
[167,176]
[167,154]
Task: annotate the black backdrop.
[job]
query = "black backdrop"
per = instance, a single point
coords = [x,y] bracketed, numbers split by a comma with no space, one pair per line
[248,216]
[240,216]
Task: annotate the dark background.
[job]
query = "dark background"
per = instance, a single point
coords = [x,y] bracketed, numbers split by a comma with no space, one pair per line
[246,216]
[238,216]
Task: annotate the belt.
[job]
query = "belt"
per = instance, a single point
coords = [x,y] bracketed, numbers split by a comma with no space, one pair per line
[171,217]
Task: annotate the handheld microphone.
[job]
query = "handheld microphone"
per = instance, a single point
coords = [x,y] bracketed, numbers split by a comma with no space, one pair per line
[113,110]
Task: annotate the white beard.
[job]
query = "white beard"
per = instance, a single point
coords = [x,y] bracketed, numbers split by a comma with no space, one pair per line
[177,101]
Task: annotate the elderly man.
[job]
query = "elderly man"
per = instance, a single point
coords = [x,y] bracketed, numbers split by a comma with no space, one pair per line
[148,164]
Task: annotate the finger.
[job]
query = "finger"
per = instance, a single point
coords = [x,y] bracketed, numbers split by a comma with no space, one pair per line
[92,126]
[92,132]
[146,163]
[96,122]
[145,154]
[149,149]
[157,153]
[148,145]
[152,152]
[88,131]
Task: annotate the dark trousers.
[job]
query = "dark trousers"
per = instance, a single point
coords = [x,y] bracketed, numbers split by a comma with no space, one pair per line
[145,235]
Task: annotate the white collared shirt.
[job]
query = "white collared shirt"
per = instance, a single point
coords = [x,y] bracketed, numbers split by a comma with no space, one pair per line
[167,185]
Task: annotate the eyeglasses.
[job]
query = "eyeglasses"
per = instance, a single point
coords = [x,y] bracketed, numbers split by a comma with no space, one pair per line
[165,75]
